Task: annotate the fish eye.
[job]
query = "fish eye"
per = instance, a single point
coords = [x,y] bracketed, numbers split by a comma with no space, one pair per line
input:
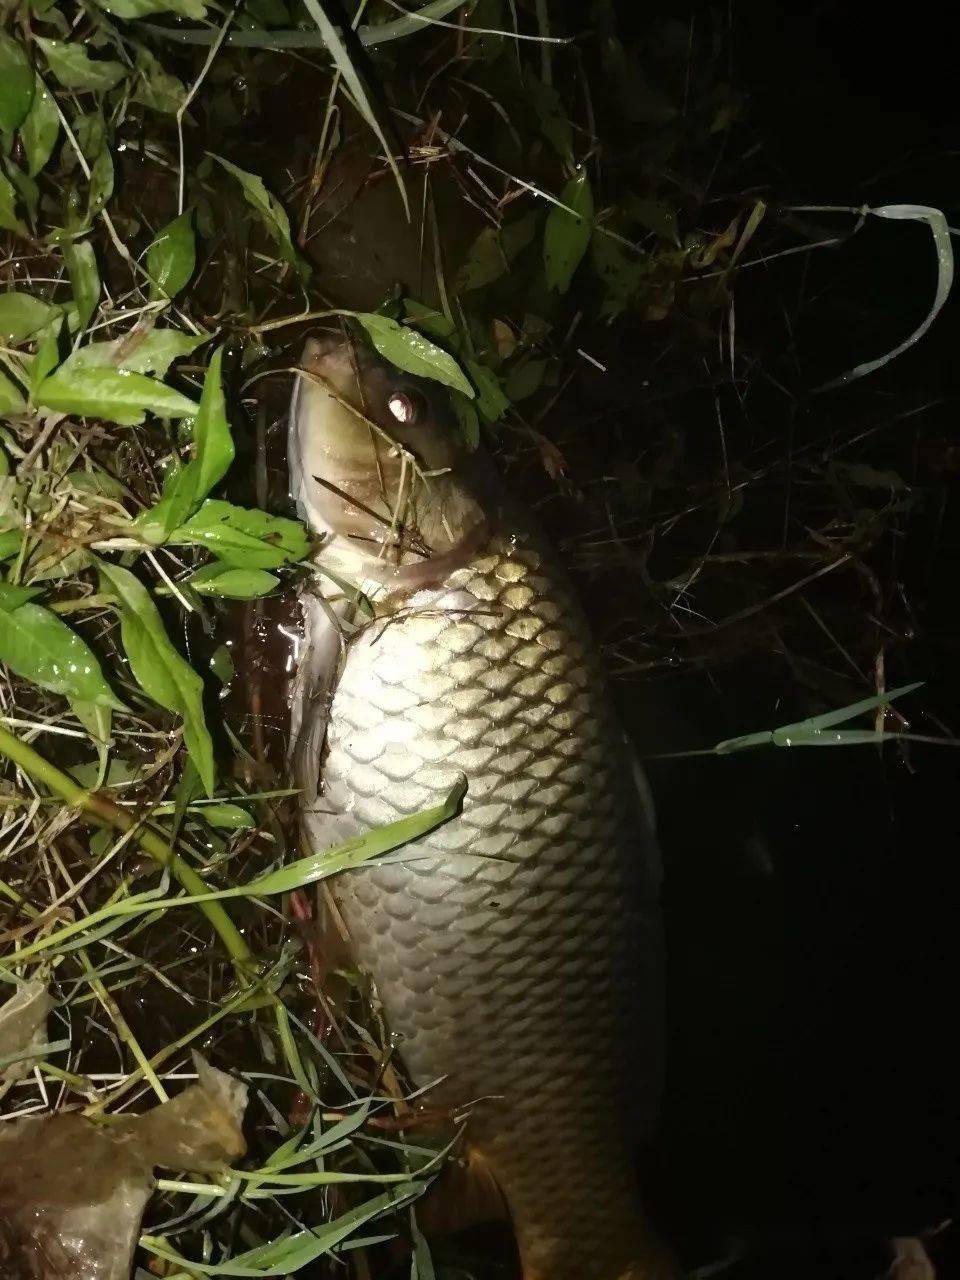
[408,407]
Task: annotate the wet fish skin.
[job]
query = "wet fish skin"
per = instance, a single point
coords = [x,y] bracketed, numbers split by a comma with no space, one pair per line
[517,949]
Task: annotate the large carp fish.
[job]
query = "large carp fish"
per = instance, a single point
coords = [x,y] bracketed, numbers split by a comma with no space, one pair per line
[516,950]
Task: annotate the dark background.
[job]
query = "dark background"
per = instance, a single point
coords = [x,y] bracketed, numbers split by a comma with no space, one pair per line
[811,896]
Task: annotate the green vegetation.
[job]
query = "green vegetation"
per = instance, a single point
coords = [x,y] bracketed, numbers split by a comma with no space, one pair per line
[163,257]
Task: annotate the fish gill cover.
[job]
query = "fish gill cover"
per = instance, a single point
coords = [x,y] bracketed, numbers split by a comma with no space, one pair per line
[553,216]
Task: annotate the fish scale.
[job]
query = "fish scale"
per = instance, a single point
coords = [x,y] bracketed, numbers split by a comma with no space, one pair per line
[516,949]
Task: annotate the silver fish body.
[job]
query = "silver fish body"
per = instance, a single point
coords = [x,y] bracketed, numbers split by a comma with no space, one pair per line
[517,949]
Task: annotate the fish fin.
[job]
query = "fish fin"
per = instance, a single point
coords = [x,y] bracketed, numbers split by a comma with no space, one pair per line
[465,1194]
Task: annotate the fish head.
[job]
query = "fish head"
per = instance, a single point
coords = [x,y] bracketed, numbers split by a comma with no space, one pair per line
[376,459]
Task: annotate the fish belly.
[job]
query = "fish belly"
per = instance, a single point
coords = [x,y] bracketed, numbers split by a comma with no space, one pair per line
[516,950]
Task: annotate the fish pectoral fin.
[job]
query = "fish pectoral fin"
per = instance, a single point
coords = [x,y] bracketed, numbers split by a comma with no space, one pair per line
[464,1195]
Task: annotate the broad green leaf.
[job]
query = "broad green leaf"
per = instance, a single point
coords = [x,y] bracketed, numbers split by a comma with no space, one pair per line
[428,320]
[12,596]
[46,359]
[567,235]
[142,350]
[129,9]
[491,403]
[10,542]
[410,351]
[485,262]
[553,121]
[95,719]
[11,398]
[22,316]
[271,211]
[155,87]
[525,379]
[467,417]
[16,83]
[84,278]
[221,664]
[225,817]
[39,647]
[90,130]
[213,454]
[75,69]
[224,583]
[243,537]
[112,394]
[621,273]
[157,667]
[26,189]
[40,129]
[8,208]
[656,216]
[172,257]
[101,184]
[494,250]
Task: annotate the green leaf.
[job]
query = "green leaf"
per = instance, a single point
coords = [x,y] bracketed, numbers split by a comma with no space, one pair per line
[16,83]
[271,211]
[46,359]
[428,320]
[410,351]
[40,129]
[112,394]
[656,217]
[90,130]
[75,69]
[84,278]
[287,1254]
[95,719]
[101,184]
[172,258]
[142,350]
[525,379]
[468,419]
[13,596]
[623,274]
[494,250]
[491,402]
[22,315]
[129,9]
[10,543]
[358,849]
[213,454]
[242,537]
[225,817]
[567,235]
[223,583]
[155,87]
[486,261]
[11,397]
[8,208]
[26,189]
[157,667]
[820,731]
[552,118]
[39,647]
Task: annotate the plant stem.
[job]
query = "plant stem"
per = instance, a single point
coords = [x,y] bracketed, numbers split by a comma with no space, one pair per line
[106,813]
